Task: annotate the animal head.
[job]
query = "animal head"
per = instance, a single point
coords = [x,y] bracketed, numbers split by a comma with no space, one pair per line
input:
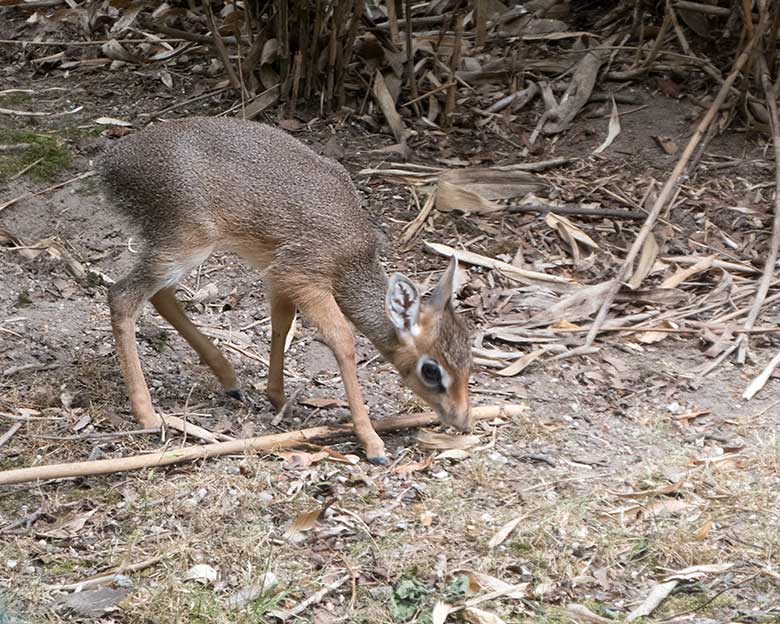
[434,347]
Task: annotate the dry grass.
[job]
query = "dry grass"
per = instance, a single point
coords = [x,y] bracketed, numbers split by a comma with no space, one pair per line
[570,546]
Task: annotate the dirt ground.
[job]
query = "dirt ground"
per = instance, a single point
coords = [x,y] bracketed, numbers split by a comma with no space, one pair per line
[625,466]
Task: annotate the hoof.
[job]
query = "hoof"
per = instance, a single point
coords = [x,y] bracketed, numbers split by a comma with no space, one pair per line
[235,394]
[378,461]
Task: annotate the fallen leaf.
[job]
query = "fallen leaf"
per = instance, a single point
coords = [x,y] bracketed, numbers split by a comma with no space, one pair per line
[760,381]
[647,258]
[652,337]
[581,613]
[560,223]
[408,469]
[301,459]
[613,131]
[445,441]
[68,526]
[484,582]
[662,507]
[202,573]
[246,595]
[504,532]
[703,531]
[111,121]
[670,488]
[722,459]
[657,595]
[520,364]
[478,616]
[302,523]
[509,270]
[698,572]
[702,265]
[453,454]
[93,603]
[476,189]
[440,612]
[666,144]
[578,305]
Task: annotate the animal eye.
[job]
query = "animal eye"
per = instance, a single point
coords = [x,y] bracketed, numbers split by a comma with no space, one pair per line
[430,373]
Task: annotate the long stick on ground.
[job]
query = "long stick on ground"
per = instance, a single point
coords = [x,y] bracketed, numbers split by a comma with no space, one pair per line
[774,247]
[669,187]
[262,443]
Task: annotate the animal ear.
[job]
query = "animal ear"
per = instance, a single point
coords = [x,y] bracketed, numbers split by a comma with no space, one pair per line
[402,304]
[442,294]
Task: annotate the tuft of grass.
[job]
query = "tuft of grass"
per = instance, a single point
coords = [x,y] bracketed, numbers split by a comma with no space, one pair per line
[18,98]
[48,153]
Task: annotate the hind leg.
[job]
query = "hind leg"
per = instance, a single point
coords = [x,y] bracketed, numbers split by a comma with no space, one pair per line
[169,308]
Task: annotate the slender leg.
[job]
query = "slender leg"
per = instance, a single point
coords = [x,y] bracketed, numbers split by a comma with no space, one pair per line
[323,311]
[282,314]
[168,307]
[126,298]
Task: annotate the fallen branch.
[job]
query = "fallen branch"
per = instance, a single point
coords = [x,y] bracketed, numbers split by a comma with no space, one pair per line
[666,193]
[261,443]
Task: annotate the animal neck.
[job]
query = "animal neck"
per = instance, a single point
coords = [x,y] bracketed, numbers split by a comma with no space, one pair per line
[360,294]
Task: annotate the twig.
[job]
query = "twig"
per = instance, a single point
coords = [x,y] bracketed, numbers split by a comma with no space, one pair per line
[10,433]
[577,210]
[315,598]
[670,186]
[81,176]
[105,579]
[262,443]
[219,44]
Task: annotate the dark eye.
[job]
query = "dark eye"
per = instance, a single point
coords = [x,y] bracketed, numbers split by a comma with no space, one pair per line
[431,374]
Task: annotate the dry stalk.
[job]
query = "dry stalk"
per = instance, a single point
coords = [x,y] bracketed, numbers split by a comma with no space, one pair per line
[449,108]
[263,443]
[392,19]
[670,187]
[221,49]
[411,79]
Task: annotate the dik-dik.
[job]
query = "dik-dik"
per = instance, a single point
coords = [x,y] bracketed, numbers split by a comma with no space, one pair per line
[199,185]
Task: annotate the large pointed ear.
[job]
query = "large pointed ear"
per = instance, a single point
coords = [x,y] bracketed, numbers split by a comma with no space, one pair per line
[442,294]
[402,304]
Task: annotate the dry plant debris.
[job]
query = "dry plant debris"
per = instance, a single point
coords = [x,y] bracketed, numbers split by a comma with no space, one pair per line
[637,483]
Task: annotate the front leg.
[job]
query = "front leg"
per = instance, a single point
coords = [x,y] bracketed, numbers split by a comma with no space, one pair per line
[323,311]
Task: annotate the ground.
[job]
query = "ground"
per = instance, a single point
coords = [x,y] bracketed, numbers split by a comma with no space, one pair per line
[624,467]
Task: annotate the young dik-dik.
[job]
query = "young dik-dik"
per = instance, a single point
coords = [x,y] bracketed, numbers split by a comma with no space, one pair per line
[199,185]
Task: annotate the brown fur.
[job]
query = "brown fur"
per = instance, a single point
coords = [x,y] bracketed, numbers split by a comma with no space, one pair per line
[203,184]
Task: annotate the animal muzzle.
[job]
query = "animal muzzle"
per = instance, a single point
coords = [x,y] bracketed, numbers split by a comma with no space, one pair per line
[460,419]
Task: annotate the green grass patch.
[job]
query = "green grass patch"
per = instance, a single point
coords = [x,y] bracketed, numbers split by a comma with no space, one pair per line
[47,154]
[15,99]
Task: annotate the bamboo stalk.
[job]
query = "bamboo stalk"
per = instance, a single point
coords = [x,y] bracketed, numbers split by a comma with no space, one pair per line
[392,19]
[314,49]
[449,108]
[296,82]
[480,12]
[261,443]
[357,14]
[411,79]
[221,49]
